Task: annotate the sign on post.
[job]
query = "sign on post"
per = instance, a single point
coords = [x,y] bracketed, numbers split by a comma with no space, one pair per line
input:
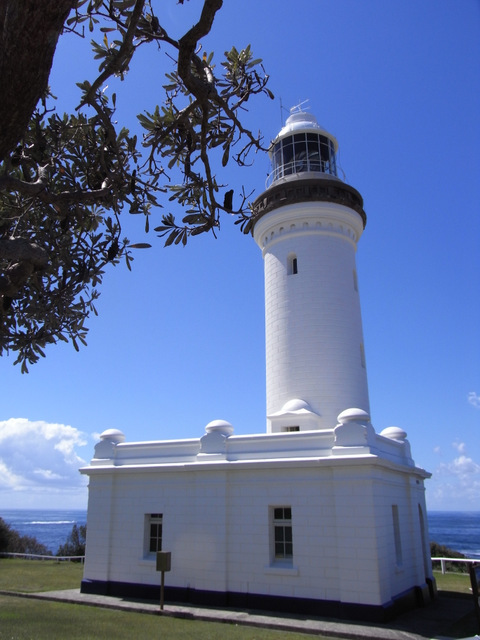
[164,563]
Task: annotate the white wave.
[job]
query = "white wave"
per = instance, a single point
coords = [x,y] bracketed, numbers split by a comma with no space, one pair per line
[52,522]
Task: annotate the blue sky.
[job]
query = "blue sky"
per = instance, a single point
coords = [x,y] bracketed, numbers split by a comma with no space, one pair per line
[179,341]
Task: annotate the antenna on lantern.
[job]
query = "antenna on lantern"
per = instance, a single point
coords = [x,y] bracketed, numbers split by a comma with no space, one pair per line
[282,109]
[300,108]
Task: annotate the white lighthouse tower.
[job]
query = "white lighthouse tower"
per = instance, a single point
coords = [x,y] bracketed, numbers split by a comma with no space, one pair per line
[327,521]
[308,223]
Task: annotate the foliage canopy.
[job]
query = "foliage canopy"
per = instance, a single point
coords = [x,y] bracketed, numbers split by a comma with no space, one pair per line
[65,180]
[12,542]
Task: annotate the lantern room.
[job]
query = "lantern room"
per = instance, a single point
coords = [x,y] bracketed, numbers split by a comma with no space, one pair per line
[302,146]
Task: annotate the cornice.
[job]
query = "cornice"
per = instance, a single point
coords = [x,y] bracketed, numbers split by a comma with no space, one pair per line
[308,190]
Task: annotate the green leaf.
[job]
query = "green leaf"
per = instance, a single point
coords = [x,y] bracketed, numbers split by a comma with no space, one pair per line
[170,239]
[226,155]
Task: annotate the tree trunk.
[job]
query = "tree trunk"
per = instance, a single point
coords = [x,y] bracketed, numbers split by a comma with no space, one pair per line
[29,31]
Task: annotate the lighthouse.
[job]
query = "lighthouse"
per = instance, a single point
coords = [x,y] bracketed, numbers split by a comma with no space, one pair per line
[307,223]
[321,515]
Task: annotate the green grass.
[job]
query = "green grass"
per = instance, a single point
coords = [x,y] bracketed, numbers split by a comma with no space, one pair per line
[29,576]
[27,619]
[457,582]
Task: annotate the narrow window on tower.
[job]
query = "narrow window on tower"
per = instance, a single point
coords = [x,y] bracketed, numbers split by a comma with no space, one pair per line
[292,265]
[362,356]
[291,429]
[282,538]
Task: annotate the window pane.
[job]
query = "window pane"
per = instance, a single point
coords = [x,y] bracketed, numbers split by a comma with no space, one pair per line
[325,152]
[155,532]
[278,513]
[300,147]
[288,513]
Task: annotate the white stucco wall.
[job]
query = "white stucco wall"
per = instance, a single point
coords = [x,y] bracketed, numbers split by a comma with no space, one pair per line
[216,522]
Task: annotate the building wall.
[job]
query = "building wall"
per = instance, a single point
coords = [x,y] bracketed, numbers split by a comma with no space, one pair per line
[216,524]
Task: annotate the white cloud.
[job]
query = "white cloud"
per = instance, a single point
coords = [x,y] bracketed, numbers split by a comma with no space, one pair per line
[455,484]
[474,399]
[459,446]
[39,461]
[464,467]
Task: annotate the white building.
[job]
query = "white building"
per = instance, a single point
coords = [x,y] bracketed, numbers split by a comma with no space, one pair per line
[320,514]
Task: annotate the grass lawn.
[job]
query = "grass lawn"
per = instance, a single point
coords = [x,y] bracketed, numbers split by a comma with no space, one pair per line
[28,619]
[457,582]
[29,576]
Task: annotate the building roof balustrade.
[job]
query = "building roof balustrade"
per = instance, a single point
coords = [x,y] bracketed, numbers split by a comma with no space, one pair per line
[255,448]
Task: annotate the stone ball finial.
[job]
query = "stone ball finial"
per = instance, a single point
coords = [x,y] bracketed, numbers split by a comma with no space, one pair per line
[353,415]
[395,433]
[219,426]
[113,435]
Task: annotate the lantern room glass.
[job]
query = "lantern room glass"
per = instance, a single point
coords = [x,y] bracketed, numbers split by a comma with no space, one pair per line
[301,152]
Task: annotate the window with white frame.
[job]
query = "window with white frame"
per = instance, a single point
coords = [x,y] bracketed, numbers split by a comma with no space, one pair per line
[154,526]
[282,534]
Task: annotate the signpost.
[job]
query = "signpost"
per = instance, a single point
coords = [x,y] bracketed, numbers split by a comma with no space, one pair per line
[164,563]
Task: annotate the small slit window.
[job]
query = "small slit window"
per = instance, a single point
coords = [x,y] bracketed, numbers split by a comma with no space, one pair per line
[292,267]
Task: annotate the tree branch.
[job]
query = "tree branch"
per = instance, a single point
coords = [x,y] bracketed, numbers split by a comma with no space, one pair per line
[188,44]
[39,189]
[124,53]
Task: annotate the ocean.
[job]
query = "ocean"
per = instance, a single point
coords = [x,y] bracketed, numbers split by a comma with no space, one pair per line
[458,530]
[51,528]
